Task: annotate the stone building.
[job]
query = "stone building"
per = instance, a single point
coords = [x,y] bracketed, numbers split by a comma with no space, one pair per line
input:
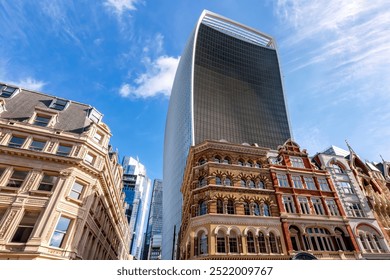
[230,210]
[60,185]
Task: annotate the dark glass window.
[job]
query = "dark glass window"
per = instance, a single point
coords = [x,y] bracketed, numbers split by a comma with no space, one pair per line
[7,91]
[63,150]
[37,145]
[25,228]
[16,142]
[42,120]
[17,179]
[47,183]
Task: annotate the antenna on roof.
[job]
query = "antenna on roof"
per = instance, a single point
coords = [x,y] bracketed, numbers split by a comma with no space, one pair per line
[382,158]
[349,147]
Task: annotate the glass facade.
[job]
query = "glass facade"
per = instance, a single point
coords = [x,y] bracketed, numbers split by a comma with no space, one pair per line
[227,86]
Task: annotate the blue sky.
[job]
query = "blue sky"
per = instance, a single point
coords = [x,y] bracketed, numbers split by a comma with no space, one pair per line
[120,56]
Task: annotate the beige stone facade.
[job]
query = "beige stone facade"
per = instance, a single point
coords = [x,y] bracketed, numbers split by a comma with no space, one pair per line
[60,186]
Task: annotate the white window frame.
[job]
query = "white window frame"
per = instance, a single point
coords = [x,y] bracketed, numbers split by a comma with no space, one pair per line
[297,162]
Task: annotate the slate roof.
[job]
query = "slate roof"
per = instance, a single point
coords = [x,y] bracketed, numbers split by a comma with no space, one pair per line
[20,107]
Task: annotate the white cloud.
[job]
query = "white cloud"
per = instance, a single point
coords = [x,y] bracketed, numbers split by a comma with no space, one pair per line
[348,39]
[30,83]
[120,6]
[158,79]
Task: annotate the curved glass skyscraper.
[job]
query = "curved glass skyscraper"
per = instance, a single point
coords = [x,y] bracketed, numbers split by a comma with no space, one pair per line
[228,86]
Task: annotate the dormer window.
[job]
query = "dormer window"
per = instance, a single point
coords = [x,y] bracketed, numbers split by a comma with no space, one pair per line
[42,120]
[7,91]
[59,104]
[95,115]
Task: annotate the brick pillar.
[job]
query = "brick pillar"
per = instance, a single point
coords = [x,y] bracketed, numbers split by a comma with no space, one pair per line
[286,234]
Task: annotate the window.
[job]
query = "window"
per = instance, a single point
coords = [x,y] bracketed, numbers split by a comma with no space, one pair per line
[63,150]
[262,243]
[320,239]
[310,183]
[243,183]
[90,159]
[59,104]
[59,234]
[346,187]
[230,207]
[297,162]
[202,208]
[95,115]
[356,209]
[226,160]
[2,212]
[337,169]
[260,185]
[323,184]
[47,183]
[233,242]
[42,120]
[218,180]
[219,206]
[26,226]
[37,145]
[251,184]
[273,243]
[250,242]
[202,243]
[246,208]
[257,164]
[288,204]
[266,211]
[282,180]
[256,209]
[317,204]
[217,159]
[240,162]
[202,182]
[221,245]
[16,142]
[2,169]
[7,91]
[249,163]
[228,181]
[202,161]
[17,179]
[297,182]
[76,191]
[332,207]
[98,137]
[304,204]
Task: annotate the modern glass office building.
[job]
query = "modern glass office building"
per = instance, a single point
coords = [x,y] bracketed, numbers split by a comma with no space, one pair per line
[228,86]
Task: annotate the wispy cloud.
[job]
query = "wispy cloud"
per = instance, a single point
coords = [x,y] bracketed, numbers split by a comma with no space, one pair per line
[158,79]
[120,6]
[349,39]
[31,83]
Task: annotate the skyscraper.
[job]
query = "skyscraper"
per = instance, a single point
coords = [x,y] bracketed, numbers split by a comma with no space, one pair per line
[138,191]
[227,87]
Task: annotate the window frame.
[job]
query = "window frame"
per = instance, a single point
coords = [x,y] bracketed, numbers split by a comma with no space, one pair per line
[16,145]
[297,162]
[62,232]
[79,193]
[282,180]
[21,181]
[34,148]
[61,153]
[43,121]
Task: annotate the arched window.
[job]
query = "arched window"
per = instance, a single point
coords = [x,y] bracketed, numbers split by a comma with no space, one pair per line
[260,185]
[221,242]
[240,162]
[273,243]
[251,184]
[249,163]
[218,180]
[247,210]
[266,211]
[230,206]
[202,161]
[321,240]
[262,243]
[337,168]
[226,160]
[217,159]
[219,206]
[250,243]
[256,209]
[257,165]
[370,239]
[233,243]
[243,183]
[202,181]
[295,236]
[202,208]
[228,181]
[202,239]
